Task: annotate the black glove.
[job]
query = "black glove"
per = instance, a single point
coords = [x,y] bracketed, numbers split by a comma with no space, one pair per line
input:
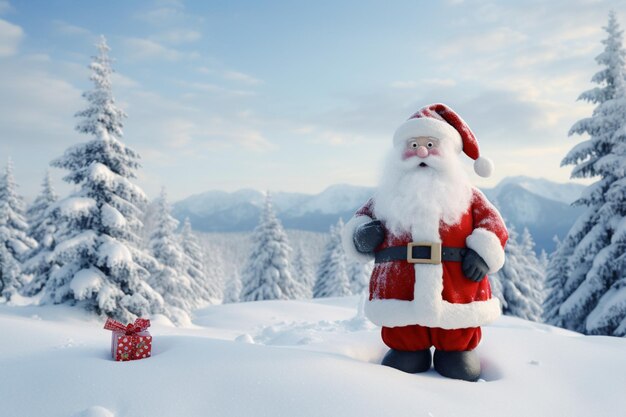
[474,267]
[368,236]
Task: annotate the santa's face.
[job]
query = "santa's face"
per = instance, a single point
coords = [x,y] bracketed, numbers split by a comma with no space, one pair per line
[423,182]
[424,153]
[421,147]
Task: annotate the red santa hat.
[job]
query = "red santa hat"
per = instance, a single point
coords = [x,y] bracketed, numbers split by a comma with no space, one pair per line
[441,122]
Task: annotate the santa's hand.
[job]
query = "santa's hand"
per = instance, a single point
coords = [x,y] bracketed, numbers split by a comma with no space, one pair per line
[368,236]
[474,267]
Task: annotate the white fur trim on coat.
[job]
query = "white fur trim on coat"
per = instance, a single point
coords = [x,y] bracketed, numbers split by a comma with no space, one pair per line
[397,313]
[488,246]
[347,239]
[427,126]
[428,308]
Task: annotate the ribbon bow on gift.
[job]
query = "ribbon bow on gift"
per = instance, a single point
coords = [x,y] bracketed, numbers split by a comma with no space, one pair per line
[131,328]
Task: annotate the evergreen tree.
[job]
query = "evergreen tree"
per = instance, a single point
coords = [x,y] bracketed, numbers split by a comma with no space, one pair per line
[332,277]
[593,292]
[543,259]
[14,240]
[204,273]
[102,113]
[172,282]
[518,284]
[557,272]
[214,264]
[149,221]
[303,272]
[100,267]
[42,228]
[359,275]
[267,275]
[233,289]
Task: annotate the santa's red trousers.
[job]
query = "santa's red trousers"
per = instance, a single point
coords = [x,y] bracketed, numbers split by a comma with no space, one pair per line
[415,337]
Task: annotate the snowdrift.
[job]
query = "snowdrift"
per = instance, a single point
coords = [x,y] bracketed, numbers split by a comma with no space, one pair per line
[293,358]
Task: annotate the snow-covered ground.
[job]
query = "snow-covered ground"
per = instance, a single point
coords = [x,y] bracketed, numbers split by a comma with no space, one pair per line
[293,358]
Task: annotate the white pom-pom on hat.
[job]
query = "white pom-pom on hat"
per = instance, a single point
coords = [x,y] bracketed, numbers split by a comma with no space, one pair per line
[483,166]
[440,121]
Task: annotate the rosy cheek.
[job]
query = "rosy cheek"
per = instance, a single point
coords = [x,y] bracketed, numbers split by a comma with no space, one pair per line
[408,153]
[434,152]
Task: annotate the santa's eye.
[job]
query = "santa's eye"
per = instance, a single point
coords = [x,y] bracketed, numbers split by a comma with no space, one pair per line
[413,144]
[430,144]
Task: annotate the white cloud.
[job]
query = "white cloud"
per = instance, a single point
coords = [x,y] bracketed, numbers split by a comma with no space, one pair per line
[337,138]
[440,82]
[69,29]
[5,6]
[241,77]
[35,103]
[146,49]
[216,89]
[162,15]
[178,36]
[205,70]
[324,136]
[188,136]
[179,132]
[170,13]
[10,37]
[492,40]
[185,130]
[121,81]
[303,130]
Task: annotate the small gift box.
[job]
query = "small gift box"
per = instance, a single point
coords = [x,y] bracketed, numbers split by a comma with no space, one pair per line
[130,342]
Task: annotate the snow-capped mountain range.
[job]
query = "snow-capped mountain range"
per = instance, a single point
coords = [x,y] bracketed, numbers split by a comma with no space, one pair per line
[539,204]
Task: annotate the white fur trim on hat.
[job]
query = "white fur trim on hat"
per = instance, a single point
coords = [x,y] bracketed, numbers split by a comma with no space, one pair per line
[427,126]
[483,167]
[488,246]
[347,239]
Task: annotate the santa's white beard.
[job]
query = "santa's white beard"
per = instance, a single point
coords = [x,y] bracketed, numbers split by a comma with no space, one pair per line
[412,199]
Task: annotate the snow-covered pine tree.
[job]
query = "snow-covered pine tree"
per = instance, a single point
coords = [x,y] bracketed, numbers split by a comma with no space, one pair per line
[102,113]
[14,240]
[205,272]
[543,259]
[557,272]
[594,293]
[100,267]
[172,282]
[518,283]
[536,272]
[233,288]
[267,274]
[302,271]
[214,263]
[148,220]
[359,276]
[332,277]
[42,228]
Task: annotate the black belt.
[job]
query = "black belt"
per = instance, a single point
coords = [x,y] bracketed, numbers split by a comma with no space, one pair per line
[420,253]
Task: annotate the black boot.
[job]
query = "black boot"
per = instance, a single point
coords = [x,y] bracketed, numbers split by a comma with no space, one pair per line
[410,362]
[463,365]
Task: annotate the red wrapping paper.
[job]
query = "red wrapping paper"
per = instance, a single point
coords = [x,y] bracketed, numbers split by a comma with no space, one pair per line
[130,342]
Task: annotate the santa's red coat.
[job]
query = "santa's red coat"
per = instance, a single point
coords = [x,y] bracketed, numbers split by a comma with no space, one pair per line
[439,295]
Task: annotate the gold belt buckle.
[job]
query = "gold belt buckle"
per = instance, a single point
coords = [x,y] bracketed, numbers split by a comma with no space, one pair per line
[435,253]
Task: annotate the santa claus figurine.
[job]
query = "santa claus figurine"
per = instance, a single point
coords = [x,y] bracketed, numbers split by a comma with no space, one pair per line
[434,238]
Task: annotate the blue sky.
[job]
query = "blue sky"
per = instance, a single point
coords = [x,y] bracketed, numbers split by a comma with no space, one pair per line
[296,96]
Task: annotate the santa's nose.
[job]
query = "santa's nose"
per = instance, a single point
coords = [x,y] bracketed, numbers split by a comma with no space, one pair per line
[422,151]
